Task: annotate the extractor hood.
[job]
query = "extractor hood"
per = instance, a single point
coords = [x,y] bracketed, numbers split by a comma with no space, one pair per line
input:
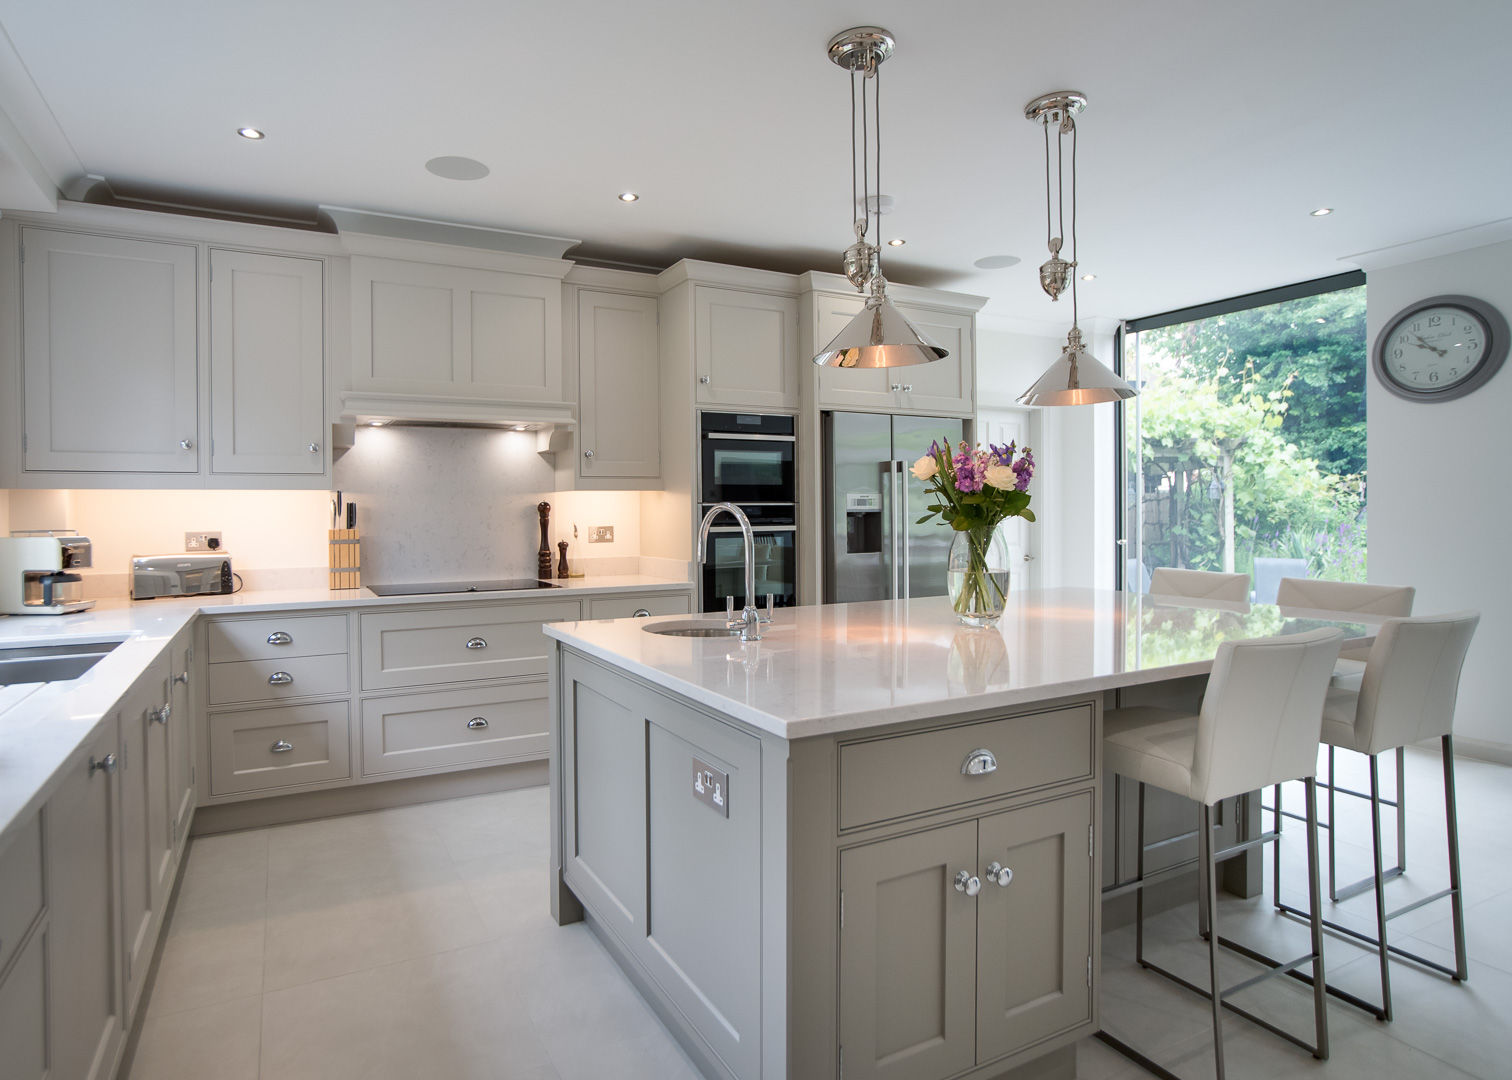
[367,407]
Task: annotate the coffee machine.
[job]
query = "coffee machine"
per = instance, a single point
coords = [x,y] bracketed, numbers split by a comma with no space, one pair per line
[36,574]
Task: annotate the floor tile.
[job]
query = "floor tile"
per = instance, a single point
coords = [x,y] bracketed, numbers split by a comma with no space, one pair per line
[229,869]
[209,956]
[218,1042]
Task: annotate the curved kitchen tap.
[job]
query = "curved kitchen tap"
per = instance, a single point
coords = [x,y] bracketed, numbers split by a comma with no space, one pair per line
[749,622]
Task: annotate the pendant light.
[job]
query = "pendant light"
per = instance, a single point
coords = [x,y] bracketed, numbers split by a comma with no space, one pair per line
[1076,378]
[879,336]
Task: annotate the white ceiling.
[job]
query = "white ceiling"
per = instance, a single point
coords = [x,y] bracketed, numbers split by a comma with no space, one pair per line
[1213,128]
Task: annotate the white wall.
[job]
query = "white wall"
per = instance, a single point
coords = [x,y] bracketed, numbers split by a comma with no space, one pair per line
[1074,485]
[1439,515]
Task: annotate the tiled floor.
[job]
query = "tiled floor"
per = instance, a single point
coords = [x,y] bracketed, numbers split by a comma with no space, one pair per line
[416,943]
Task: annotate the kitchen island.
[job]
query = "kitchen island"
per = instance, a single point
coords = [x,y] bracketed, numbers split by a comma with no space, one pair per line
[865,845]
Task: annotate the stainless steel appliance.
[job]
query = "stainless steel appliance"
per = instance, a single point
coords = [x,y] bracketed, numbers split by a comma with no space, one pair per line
[36,575]
[425,588]
[181,575]
[873,548]
[749,459]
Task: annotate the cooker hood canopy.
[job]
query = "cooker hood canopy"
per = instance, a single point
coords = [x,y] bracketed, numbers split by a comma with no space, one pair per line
[364,407]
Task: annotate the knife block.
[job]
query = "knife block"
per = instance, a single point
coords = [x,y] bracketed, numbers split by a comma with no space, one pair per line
[346,559]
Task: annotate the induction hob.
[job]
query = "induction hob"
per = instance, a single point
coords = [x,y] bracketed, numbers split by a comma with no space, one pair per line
[427,588]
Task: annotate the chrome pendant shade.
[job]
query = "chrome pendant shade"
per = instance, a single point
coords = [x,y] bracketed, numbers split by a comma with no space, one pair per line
[878,336]
[1077,377]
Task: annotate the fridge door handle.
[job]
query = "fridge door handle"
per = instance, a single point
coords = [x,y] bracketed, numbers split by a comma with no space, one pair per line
[890,523]
[900,470]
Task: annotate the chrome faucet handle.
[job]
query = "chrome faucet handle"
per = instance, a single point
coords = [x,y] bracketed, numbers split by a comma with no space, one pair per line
[766,616]
[731,622]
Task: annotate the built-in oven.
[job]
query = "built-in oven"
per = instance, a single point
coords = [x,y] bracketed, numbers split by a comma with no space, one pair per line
[723,572]
[747,458]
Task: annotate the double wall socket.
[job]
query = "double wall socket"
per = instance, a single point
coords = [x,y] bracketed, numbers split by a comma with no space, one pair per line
[601,534]
[202,541]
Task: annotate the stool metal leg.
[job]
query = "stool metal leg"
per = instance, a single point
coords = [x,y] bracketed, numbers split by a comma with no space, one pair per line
[1276,853]
[1380,885]
[1401,809]
[1456,894]
[1209,905]
[1139,871]
[1333,891]
[1315,903]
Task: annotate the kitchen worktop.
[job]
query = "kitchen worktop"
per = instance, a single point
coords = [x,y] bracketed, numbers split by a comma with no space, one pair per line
[43,725]
[844,667]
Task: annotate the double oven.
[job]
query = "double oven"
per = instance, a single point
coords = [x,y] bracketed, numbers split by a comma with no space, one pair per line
[749,459]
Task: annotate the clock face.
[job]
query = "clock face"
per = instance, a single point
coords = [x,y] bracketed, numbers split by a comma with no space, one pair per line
[1435,348]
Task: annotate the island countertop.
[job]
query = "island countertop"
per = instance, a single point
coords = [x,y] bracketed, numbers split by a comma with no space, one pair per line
[843,667]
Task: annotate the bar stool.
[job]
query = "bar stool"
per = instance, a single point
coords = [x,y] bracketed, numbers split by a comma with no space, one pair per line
[1407,694]
[1354,598]
[1200,584]
[1257,726]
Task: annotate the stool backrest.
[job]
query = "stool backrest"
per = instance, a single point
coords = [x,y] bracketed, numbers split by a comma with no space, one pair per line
[1393,600]
[1200,584]
[1412,679]
[1262,713]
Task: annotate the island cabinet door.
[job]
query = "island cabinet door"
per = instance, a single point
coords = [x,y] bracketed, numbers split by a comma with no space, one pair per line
[1034,925]
[908,956]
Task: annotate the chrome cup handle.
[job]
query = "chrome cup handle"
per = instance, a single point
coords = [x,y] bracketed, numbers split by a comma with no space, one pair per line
[979,763]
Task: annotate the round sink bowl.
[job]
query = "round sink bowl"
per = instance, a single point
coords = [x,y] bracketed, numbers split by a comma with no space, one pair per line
[691,629]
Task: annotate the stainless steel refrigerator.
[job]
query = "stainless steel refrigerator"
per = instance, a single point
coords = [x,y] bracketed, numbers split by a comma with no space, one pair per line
[873,550]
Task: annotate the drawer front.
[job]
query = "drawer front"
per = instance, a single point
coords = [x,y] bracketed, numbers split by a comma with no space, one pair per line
[20,886]
[626,607]
[263,639]
[278,680]
[458,644]
[442,728]
[274,748]
[898,775]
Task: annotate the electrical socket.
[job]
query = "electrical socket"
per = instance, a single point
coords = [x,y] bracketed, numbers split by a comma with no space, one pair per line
[601,534]
[202,541]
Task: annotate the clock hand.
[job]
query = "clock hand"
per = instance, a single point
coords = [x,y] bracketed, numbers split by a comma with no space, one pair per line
[1430,348]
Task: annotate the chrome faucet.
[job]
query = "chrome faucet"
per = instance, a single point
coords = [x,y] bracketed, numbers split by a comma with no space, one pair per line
[749,622]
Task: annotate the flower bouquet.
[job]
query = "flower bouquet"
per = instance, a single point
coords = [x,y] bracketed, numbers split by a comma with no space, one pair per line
[974,491]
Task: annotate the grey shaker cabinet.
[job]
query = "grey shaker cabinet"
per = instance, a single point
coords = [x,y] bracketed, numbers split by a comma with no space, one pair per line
[146,844]
[935,980]
[618,389]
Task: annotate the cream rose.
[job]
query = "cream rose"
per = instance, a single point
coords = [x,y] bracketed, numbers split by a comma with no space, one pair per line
[925,467]
[1001,477]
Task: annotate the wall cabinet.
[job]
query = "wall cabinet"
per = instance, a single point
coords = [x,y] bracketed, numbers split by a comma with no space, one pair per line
[619,398]
[745,348]
[424,328]
[267,363]
[944,388]
[109,354]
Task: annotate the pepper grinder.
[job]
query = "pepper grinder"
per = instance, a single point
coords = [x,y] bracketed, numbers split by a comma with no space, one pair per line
[543,554]
[562,563]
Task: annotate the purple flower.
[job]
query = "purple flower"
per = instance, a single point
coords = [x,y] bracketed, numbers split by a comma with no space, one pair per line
[1002,455]
[968,473]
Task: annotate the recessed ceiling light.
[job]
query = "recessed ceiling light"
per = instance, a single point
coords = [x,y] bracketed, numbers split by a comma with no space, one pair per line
[1089,277]
[452,167]
[250,133]
[628,196]
[899,242]
[1322,211]
[996,262]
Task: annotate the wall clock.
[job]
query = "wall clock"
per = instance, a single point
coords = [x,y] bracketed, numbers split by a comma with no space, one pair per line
[1441,348]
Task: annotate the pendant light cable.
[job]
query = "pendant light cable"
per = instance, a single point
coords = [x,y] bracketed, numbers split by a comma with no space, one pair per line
[865,152]
[1049,235]
[876,74]
[853,150]
[1072,122]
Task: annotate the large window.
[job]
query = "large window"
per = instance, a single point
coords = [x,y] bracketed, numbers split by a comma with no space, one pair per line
[1245,449]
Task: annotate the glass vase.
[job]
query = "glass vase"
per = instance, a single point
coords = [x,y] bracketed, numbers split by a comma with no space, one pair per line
[977,578]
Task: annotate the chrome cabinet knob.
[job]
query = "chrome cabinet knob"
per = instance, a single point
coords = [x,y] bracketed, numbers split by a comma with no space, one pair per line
[278,637]
[186,444]
[641,613]
[895,387]
[477,723]
[587,453]
[476,643]
[999,874]
[313,448]
[979,763]
[968,883]
[703,380]
[908,388]
[280,678]
[107,764]
[182,678]
[282,746]
[160,716]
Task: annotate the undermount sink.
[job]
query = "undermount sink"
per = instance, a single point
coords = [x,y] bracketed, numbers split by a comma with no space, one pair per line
[51,663]
[691,629]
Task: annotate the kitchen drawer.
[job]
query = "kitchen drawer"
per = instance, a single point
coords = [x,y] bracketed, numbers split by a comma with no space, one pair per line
[307,676]
[451,643]
[898,775]
[262,639]
[625,607]
[273,748]
[21,896]
[441,728]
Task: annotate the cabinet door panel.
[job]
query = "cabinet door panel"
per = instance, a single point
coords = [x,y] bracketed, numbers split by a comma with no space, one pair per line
[908,956]
[617,385]
[945,386]
[853,387]
[181,727]
[84,1000]
[746,347]
[410,332]
[23,1013]
[1035,933]
[109,352]
[144,826]
[508,343]
[267,372]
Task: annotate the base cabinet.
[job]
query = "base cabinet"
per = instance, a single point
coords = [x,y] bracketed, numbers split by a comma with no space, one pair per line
[146,843]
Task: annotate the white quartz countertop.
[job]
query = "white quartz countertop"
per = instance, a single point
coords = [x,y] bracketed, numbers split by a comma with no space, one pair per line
[845,667]
[42,726]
